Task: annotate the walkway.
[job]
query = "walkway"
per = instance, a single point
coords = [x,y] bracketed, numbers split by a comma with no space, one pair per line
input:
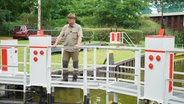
[132,85]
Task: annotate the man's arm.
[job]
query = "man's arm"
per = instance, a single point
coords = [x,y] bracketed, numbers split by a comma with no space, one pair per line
[59,37]
[78,42]
[57,41]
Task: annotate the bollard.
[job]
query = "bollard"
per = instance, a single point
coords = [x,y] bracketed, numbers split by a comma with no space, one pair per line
[86,99]
[111,62]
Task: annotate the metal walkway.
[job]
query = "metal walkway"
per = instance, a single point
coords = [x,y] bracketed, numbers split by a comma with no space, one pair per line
[113,86]
[132,85]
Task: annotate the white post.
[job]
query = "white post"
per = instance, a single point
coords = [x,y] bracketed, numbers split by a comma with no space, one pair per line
[122,37]
[115,98]
[107,77]
[25,75]
[94,64]
[48,72]
[62,51]
[137,73]
[85,90]
[39,15]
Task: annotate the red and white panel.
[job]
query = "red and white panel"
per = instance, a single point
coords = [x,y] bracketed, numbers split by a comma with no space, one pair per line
[116,37]
[9,57]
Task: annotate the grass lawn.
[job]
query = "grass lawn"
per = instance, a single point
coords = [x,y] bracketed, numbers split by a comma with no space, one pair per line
[100,57]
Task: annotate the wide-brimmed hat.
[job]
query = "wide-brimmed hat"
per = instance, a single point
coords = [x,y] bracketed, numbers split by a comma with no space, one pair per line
[71,15]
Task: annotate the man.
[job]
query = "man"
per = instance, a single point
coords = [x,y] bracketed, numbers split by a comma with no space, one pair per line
[72,35]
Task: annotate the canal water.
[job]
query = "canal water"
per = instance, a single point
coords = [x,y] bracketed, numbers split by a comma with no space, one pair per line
[98,96]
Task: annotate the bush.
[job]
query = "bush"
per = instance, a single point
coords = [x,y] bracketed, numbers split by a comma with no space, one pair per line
[6,27]
[55,23]
[28,19]
[87,21]
[179,37]
[148,26]
[102,34]
[135,35]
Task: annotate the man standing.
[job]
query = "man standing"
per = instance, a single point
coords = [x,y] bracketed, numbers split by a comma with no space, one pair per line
[72,35]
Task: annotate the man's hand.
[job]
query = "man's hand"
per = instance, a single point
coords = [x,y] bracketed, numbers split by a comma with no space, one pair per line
[57,41]
[54,46]
[77,46]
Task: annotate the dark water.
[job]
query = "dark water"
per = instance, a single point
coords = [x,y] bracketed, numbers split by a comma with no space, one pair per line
[68,95]
[96,96]
[179,66]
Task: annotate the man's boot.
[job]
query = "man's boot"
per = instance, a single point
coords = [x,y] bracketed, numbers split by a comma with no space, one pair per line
[75,72]
[65,72]
[65,75]
[75,75]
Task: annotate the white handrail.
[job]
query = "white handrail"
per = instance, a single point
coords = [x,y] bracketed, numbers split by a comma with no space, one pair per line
[127,40]
[105,82]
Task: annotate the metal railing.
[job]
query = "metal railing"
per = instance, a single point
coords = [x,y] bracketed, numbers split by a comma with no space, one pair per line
[178,90]
[105,81]
[180,46]
[127,39]
[18,78]
[90,79]
[166,10]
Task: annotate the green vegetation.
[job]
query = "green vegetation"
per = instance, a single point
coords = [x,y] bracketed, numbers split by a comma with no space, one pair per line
[90,13]
[98,16]
[102,34]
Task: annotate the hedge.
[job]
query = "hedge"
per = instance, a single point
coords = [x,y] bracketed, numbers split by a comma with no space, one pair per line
[102,34]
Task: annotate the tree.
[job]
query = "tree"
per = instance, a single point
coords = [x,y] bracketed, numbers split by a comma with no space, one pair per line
[117,13]
[104,12]
[11,9]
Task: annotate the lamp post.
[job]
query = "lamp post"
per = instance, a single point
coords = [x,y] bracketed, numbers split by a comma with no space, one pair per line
[39,16]
[162,6]
[162,30]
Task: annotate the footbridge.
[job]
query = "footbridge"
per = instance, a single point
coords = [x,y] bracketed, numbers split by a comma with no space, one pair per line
[153,82]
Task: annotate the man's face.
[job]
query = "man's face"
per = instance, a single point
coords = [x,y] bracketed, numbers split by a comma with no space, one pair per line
[71,21]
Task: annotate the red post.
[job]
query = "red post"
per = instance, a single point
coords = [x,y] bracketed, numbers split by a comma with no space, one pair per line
[113,35]
[41,32]
[118,36]
[161,32]
[4,59]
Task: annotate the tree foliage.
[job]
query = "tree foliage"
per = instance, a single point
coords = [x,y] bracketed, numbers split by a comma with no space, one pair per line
[102,13]
[105,12]
[115,12]
[11,9]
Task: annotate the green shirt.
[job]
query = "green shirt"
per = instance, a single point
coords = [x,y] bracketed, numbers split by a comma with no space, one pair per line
[70,35]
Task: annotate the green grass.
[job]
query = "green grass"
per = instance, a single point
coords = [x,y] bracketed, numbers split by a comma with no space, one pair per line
[56,57]
[101,56]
